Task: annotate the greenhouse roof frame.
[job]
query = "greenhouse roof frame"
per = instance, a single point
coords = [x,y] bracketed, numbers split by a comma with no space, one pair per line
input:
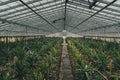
[21,17]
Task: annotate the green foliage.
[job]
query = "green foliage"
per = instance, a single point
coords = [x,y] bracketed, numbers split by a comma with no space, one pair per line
[6,76]
[96,54]
[32,59]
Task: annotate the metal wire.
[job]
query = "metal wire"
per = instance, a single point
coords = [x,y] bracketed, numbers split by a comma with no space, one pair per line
[50,17]
[39,15]
[94,14]
[16,15]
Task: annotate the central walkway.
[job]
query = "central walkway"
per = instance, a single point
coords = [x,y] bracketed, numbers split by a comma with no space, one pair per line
[65,69]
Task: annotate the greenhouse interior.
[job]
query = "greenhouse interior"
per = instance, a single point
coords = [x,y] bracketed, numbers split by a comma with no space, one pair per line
[59,39]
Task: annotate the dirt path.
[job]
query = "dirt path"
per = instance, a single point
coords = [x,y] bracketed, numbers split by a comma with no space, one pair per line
[65,69]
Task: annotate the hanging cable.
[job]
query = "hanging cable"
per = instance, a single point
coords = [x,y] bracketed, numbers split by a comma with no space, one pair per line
[57,20]
[36,9]
[93,14]
[66,1]
[38,14]
[56,14]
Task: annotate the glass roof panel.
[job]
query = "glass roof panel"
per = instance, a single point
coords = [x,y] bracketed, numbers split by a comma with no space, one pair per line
[4,0]
[4,7]
[12,4]
[50,14]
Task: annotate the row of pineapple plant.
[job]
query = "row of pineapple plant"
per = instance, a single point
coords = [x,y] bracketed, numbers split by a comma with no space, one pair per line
[94,59]
[33,59]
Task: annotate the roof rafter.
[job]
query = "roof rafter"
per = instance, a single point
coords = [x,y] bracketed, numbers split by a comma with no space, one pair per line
[98,16]
[22,25]
[93,14]
[101,27]
[13,12]
[86,7]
